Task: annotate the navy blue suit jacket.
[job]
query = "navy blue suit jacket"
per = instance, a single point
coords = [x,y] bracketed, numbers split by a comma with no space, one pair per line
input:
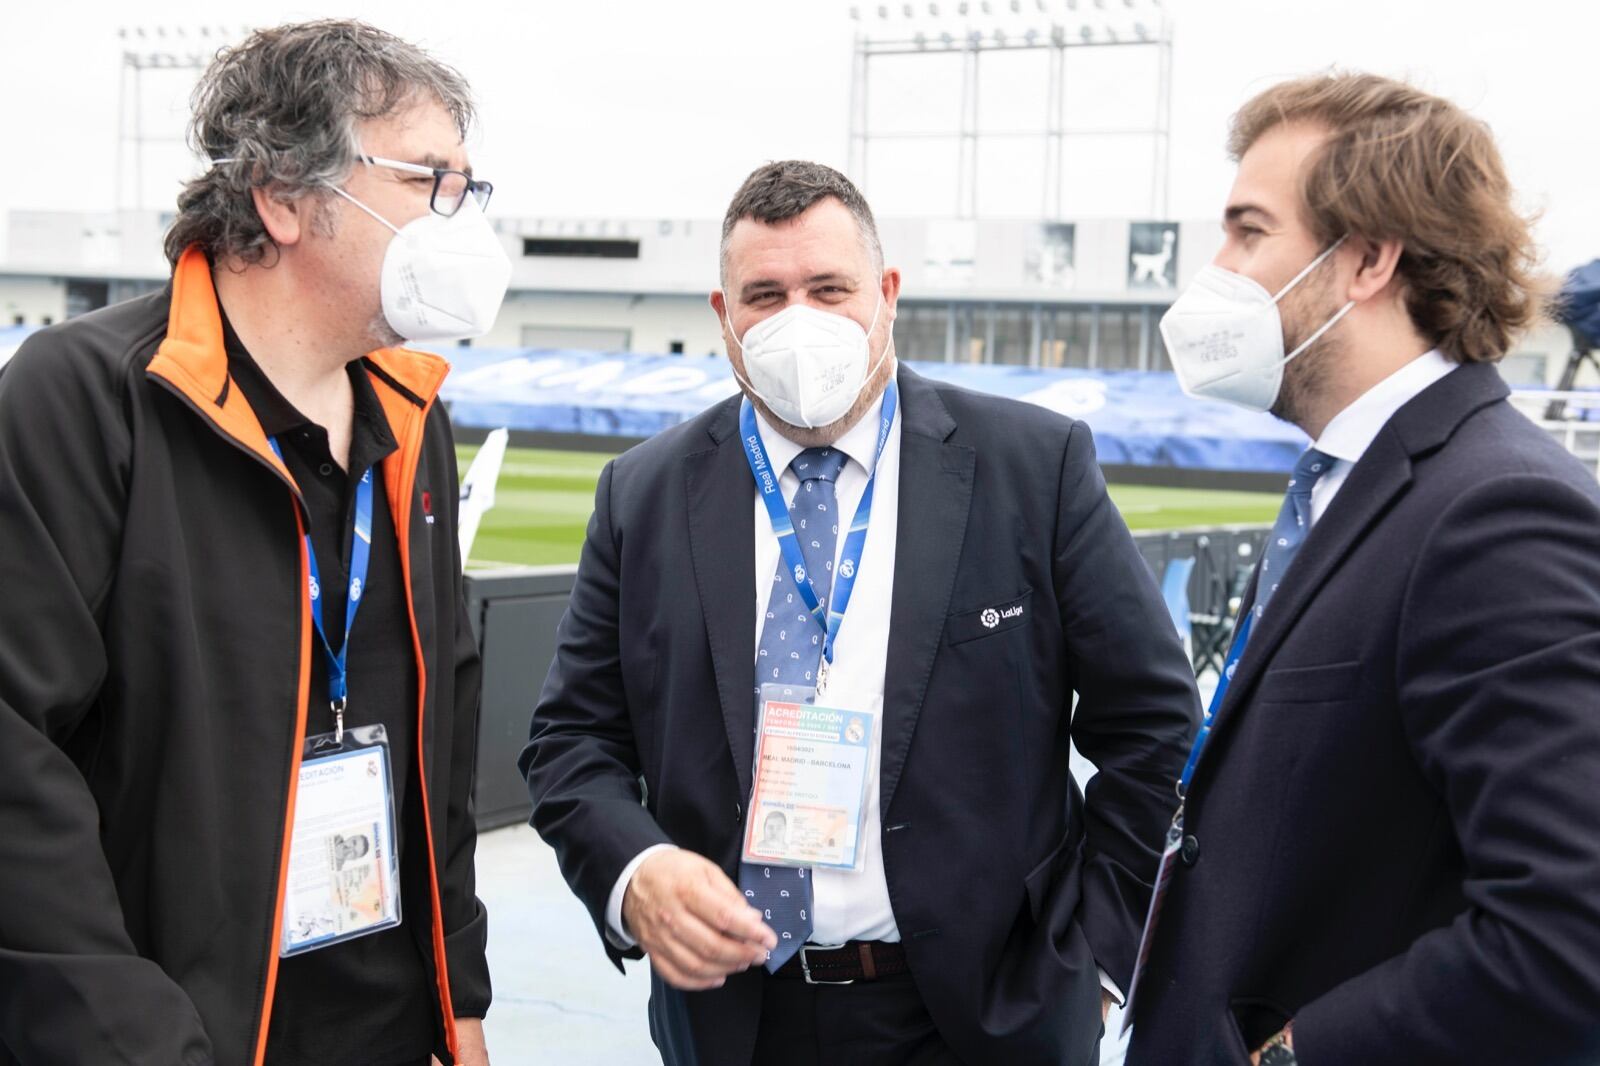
[1396,839]
[1007,886]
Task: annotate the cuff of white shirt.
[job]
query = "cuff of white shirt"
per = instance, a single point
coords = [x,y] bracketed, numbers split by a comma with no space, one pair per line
[614,930]
[1110,986]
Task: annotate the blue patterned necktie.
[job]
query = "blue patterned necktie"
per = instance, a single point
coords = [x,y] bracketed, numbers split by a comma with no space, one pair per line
[1294,522]
[790,651]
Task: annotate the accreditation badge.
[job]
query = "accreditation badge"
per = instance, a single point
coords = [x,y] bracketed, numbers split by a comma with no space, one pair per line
[1169,863]
[810,782]
[344,869]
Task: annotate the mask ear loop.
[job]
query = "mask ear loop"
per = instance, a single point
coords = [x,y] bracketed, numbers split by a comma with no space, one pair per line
[365,208]
[888,345]
[1326,326]
[728,321]
[1298,278]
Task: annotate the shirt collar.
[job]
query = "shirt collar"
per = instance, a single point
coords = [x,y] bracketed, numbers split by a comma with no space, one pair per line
[859,444]
[1352,431]
[371,438]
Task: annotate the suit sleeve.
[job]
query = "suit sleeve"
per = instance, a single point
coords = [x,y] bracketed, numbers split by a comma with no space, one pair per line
[72,988]
[1137,705]
[466,922]
[1499,682]
[581,763]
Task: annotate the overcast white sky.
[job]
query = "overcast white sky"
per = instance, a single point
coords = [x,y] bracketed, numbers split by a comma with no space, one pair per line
[624,108]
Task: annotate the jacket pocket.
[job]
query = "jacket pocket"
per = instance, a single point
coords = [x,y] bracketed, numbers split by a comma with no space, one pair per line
[1333,683]
[987,621]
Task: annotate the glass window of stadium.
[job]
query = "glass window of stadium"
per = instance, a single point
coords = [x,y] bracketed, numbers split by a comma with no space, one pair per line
[1119,345]
[1093,336]
[1009,340]
[921,332]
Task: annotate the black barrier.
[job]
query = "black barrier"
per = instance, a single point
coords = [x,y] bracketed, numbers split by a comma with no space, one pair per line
[514,613]
[1222,561]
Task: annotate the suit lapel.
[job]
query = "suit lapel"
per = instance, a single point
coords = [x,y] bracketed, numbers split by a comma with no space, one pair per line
[935,497]
[1421,426]
[720,497]
[1381,475]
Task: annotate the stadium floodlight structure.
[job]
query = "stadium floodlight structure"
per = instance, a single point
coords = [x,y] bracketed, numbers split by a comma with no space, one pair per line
[976,28]
[155,52]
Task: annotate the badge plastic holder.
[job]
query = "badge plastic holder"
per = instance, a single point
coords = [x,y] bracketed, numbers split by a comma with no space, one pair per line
[856,736]
[343,881]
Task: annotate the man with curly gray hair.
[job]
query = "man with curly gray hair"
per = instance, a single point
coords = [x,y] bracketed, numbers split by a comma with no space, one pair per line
[231,578]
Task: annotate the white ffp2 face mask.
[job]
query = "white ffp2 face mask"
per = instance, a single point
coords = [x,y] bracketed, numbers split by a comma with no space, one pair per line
[443,278]
[807,365]
[1225,336]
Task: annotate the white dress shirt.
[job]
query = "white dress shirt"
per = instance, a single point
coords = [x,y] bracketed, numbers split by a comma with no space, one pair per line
[847,904]
[1351,432]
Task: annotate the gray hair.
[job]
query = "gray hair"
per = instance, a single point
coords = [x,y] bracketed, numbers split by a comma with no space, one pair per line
[281,108]
[778,192]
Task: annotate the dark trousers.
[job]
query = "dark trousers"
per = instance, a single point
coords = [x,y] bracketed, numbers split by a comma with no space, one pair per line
[874,1023]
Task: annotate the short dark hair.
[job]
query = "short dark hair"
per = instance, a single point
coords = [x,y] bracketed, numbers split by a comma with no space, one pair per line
[778,192]
[281,107]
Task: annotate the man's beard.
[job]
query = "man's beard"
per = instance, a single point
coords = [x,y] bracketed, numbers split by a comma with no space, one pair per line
[1306,376]
[326,215]
[382,334]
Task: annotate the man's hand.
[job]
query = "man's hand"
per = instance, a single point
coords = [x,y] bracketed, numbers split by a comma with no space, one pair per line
[692,921]
[1284,1037]
[471,1050]
[1106,1003]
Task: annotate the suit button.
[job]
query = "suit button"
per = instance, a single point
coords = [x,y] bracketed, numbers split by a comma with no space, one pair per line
[1191,851]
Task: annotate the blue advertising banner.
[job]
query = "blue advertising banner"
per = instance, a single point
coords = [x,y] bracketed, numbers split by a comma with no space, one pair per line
[1138,419]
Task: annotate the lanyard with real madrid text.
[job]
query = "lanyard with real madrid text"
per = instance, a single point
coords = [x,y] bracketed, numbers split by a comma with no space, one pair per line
[828,618]
[344,863]
[1174,843]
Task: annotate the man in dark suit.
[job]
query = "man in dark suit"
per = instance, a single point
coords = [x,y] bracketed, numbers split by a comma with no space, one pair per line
[990,911]
[1388,850]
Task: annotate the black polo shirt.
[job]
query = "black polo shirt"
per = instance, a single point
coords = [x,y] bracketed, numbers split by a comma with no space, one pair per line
[368,1000]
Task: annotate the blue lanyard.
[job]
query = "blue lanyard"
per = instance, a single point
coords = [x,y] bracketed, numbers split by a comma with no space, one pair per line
[1241,637]
[360,556]
[783,526]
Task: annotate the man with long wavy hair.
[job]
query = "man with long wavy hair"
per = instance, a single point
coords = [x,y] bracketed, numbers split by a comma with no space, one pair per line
[1386,851]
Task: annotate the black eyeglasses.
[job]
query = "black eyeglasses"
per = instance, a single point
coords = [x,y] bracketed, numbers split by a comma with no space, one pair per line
[450,187]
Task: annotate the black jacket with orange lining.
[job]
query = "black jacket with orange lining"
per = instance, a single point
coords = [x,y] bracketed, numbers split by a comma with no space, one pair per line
[154,665]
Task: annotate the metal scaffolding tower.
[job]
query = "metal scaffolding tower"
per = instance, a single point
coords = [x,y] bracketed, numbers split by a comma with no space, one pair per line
[974,29]
[162,53]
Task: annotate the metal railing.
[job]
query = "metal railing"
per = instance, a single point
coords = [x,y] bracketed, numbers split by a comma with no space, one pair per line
[1571,418]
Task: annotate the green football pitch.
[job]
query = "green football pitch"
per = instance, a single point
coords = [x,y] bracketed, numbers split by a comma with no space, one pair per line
[544,498]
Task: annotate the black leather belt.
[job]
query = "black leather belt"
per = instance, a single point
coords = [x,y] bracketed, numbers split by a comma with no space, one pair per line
[859,960]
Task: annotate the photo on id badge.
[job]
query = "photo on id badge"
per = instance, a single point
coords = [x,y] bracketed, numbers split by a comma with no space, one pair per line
[810,779]
[343,870]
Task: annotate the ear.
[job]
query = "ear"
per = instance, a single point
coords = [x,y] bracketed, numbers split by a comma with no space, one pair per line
[891,290]
[283,219]
[1376,268]
[719,304]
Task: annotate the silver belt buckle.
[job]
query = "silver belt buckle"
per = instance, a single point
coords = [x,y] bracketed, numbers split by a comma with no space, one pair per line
[805,963]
